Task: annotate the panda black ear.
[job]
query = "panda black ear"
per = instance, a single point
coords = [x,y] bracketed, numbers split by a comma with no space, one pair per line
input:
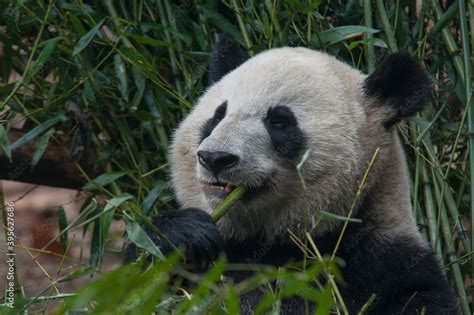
[401,83]
[226,56]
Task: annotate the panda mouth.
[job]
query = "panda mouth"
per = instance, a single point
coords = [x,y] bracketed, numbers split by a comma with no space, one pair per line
[225,187]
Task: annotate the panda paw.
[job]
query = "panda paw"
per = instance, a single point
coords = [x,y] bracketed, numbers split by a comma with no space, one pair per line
[191,229]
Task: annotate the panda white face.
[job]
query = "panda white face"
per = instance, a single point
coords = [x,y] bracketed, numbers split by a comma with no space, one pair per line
[234,151]
[253,125]
[253,148]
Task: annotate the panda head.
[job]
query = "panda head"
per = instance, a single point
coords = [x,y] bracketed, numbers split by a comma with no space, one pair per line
[260,115]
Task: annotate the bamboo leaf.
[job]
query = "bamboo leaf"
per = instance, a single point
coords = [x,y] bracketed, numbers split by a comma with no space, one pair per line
[62,222]
[139,237]
[106,219]
[48,48]
[85,40]
[33,133]
[103,179]
[4,144]
[233,302]
[370,41]
[335,217]
[40,147]
[151,198]
[220,21]
[97,244]
[140,83]
[341,33]
[121,73]
[305,158]
[447,16]
[80,272]
[151,41]
[138,61]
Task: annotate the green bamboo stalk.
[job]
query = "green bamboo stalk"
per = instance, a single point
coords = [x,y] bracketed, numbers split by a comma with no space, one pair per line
[416,180]
[451,251]
[471,27]
[245,34]
[272,10]
[459,194]
[173,57]
[115,20]
[453,212]
[128,140]
[421,222]
[467,71]
[392,43]
[309,22]
[447,16]
[19,83]
[445,193]
[466,50]
[369,47]
[417,211]
[179,44]
[442,181]
[471,22]
[450,42]
[430,210]
[397,9]
[228,202]
[416,186]
[265,27]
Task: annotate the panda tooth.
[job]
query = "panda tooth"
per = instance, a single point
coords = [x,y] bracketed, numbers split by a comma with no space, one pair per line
[229,187]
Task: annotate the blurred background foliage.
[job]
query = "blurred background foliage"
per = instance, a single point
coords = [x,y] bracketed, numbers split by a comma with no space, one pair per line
[110,80]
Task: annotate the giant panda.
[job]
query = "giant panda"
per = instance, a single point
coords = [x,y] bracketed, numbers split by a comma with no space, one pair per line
[252,126]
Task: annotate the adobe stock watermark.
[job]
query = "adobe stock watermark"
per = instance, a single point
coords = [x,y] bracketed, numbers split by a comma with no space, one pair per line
[10,256]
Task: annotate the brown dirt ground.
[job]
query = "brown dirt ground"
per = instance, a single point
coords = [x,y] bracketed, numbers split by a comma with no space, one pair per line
[36,223]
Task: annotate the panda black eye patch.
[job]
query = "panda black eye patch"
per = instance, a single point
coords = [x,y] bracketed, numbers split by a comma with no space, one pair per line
[282,126]
[212,123]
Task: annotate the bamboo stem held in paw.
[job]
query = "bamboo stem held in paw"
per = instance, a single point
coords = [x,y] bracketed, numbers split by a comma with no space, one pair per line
[228,202]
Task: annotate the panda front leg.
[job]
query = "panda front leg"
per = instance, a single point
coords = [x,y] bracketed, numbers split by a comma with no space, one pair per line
[192,229]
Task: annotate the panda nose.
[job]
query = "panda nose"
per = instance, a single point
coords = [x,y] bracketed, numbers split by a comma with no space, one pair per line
[217,161]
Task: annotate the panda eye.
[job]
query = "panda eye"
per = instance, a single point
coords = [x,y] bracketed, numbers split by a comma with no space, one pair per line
[220,112]
[279,122]
[279,118]
[218,117]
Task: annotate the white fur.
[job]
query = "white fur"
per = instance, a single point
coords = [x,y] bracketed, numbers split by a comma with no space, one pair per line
[343,130]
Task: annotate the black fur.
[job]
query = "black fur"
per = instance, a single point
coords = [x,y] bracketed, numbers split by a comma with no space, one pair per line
[282,126]
[226,56]
[405,278]
[212,123]
[191,229]
[401,83]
